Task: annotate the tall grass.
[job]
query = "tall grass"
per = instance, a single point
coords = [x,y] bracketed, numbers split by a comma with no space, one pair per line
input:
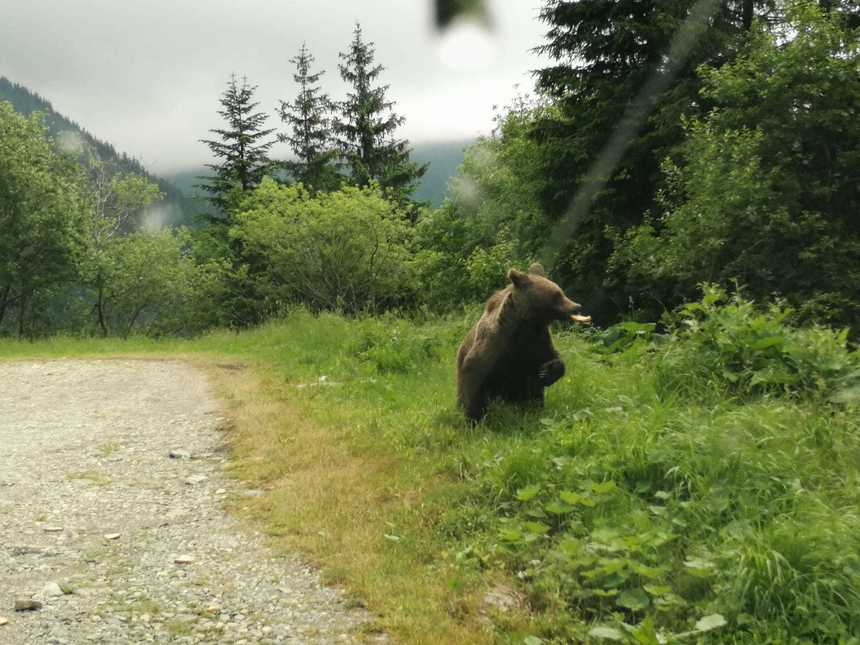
[701,485]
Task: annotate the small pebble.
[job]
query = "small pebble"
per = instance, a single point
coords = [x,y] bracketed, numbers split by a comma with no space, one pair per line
[52,589]
[52,529]
[183,559]
[25,604]
[112,536]
[3,620]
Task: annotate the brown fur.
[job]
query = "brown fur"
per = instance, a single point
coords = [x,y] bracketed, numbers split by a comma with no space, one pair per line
[508,354]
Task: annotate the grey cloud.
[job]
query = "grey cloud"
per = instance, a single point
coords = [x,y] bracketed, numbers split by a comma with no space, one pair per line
[146,75]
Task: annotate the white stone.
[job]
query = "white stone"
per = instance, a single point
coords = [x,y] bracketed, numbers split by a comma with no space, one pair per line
[52,590]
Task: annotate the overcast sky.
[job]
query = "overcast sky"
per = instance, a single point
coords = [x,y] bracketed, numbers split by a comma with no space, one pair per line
[146,75]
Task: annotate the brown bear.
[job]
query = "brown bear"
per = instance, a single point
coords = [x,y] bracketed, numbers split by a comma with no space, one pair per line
[508,353]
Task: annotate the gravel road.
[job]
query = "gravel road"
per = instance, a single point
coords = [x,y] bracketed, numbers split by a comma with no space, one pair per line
[119,541]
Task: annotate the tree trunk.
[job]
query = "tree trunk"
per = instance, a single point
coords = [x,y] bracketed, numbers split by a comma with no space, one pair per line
[133,320]
[100,308]
[747,14]
[4,302]
[22,308]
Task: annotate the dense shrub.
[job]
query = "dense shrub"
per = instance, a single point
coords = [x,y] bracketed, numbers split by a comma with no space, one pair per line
[764,188]
[347,250]
[686,483]
[726,343]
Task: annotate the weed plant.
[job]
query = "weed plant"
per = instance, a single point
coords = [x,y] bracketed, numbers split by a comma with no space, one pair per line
[695,485]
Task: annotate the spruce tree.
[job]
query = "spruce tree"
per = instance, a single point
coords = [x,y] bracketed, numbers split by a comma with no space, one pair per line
[367,123]
[241,149]
[309,137]
[622,76]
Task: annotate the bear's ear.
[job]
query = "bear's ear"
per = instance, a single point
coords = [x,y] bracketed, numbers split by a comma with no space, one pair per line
[537,269]
[518,278]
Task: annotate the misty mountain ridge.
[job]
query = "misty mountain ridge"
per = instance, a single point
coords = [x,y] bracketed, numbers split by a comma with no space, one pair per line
[182,198]
[175,208]
[444,158]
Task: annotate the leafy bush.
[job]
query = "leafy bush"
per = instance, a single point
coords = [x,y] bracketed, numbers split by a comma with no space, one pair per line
[492,219]
[727,343]
[153,285]
[389,345]
[346,250]
[639,510]
[764,188]
[43,202]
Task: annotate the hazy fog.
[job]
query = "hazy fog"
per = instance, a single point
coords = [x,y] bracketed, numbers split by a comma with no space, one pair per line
[147,75]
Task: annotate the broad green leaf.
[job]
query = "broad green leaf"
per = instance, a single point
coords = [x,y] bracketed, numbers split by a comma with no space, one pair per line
[635,599]
[570,546]
[764,343]
[645,632]
[536,527]
[510,535]
[528,492]
[645,571]
[712,621]
[604,487]
[558,508]
[609,633]
[569,497]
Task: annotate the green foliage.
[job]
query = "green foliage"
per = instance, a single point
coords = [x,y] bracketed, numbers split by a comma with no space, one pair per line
[625,510]
[390,345]
[241,149]
[727,344]
[346,250]
[492,219]
[366,124]
[116,201]
[309,137]
[66,260]
[648,504]
[42,206]
[623,75]
[151,284]
[764,188]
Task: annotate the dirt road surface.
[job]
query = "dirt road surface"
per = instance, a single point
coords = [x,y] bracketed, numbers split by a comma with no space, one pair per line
[121,542]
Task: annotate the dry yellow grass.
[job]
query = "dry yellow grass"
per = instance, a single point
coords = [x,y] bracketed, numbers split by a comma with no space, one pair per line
[332,503]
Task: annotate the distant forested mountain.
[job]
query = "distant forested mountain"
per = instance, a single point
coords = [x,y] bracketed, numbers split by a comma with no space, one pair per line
[178,208]
[444,159]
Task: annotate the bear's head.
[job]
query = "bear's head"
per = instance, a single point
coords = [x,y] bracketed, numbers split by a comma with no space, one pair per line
[539,298]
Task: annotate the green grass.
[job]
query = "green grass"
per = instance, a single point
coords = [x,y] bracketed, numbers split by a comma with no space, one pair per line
[665,490]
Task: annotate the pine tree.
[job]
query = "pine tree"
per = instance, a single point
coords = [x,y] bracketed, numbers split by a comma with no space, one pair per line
[310,138]
[366,126]
[623,74]
[242,148]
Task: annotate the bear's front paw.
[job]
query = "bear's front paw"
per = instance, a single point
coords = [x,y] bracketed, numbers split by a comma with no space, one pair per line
[543,375]
[550,372]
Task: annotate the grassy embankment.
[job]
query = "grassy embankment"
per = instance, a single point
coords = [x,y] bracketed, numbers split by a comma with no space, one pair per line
[702,487]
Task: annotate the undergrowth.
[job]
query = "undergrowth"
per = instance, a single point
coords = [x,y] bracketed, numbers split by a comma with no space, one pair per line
[694,485]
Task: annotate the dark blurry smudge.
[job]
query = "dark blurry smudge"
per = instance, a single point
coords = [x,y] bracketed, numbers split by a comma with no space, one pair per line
[450,11]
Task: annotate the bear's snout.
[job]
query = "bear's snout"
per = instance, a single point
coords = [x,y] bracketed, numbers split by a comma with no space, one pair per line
[571,307]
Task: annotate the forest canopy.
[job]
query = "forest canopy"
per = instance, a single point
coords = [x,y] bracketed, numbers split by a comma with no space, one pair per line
[664,146]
